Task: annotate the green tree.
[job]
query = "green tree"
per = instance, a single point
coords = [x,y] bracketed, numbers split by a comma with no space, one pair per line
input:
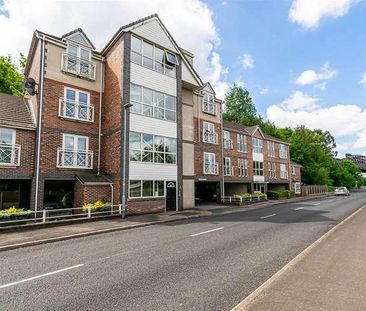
[11,79]
[240,108]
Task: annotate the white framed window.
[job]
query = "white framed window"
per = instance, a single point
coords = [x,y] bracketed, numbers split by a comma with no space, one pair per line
[147,188]
[209,164]
[272,169]
[283,171]
[208,103]
[242,143]
[208,133]
[9,151]
[226,140]
[257,168]
[77,60]
[152,103]
[150,56]
[75,152]
[257,145]
[293,170]
[228,169]
[271,149]
[243,167]
[76,105]
[283,151]
[152,148]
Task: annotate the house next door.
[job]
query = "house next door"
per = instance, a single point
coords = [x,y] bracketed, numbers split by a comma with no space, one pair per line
[171,196]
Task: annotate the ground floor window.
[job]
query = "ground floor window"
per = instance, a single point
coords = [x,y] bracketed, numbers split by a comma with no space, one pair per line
[58,194]
[257,168]
[15,193]
[147,188]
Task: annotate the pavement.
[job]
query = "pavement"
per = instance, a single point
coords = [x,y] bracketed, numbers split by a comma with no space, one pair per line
[329,275]
[51,232]
[205,263]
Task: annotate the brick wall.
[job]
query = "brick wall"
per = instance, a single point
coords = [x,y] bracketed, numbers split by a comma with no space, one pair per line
[90,194]
[297,176]
[143,206]
[201,147]
[278,161]
[26,139]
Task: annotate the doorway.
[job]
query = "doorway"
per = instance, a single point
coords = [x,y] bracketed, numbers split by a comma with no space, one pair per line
[171,196]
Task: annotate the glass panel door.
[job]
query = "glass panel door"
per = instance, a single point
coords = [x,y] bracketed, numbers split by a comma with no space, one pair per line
[83,106]
[70,103]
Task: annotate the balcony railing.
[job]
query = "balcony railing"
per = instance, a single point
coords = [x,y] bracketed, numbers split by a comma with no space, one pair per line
[228,144]
[9,155]
[74,110]
[228,171]
[208,107]
[210,137]
[242,171]
[78,66]
[74,159]
[210,168]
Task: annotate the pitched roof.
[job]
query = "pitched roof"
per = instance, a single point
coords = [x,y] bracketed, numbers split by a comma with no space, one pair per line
[270,137]
[251,129]
[93,179]
[125,28]
[234,126]
[293,163]
[16,112]
[78,30]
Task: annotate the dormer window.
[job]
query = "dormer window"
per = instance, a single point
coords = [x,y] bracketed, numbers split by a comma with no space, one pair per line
[77,60]
[208,103]
[148,55]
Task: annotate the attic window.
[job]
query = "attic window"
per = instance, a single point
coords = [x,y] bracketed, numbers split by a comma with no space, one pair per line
[171,58]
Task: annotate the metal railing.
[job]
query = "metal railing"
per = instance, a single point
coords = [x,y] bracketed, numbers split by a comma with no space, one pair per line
[78,66]
[210,168]
[208,107]
[210,137]
[67,158]
[243,200]
[48,215]
[228,143]
[9,155]
[228,170]
[75,110]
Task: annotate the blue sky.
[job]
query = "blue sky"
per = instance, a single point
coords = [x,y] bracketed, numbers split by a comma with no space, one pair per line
[305,59]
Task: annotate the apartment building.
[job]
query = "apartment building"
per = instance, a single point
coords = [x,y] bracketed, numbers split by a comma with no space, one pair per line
[135,125]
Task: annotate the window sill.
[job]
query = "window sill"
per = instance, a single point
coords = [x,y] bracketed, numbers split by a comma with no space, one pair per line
[210,113]
[78,76]
[76,120]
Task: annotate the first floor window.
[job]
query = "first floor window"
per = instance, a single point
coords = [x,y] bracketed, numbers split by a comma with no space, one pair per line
[283,171]
[272,169]
[75,151]
[210,166]
[227,140]
[243,167]
[7,142]
[209,135]
[257,145]
[227,166]
[147,188]
[257,168]
[271,149]
[152,148]
[76,104]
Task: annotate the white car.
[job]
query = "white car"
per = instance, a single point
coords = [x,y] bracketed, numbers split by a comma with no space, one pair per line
[341,191]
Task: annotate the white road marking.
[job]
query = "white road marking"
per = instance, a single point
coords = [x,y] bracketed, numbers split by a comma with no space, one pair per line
[40,276]
[296,209]
[315,204]
[196,234]
[264,217]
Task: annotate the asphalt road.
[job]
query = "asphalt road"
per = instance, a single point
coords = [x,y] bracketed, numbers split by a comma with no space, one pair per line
[211,263]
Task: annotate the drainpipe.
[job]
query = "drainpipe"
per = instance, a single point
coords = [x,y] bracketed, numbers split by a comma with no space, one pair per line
[39,121]
[112,191]
[100,113]
[222,153]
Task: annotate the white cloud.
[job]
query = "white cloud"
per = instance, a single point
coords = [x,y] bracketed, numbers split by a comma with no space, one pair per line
[342,120]
[182,17]
[363,80]
[299,100]
[309,13]
[318,79]
[264,91]
[247,61]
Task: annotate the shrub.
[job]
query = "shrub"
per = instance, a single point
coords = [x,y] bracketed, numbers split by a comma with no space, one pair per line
[97,206]
[14,213]
[280,194]
[330,188]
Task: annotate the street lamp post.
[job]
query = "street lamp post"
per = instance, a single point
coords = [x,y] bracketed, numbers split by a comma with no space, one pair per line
[125,106]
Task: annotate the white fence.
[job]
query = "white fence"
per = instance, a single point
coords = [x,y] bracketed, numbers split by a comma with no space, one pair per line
[313,189]
[49,215]
[241,200]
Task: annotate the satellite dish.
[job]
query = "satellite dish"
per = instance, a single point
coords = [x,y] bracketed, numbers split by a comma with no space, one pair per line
[30,86]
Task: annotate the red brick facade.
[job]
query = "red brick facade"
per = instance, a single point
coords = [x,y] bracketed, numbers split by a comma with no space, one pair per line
[143,206]
[90,193]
